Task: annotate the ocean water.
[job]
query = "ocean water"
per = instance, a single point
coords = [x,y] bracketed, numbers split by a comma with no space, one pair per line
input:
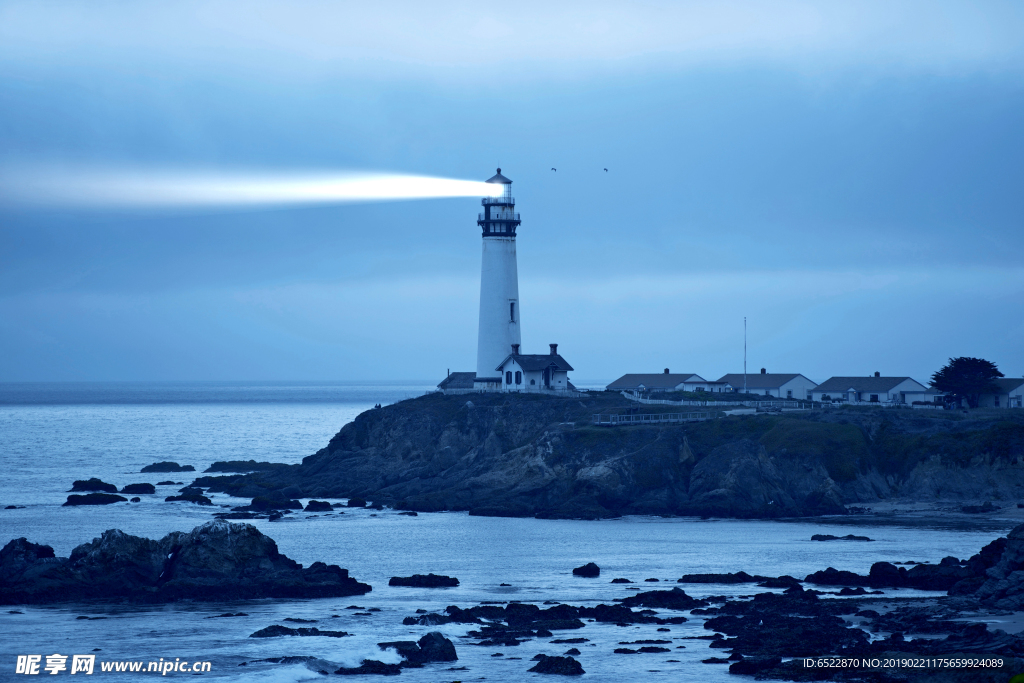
[52,434]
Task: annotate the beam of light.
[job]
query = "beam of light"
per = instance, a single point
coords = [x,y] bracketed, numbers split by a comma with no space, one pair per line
[64,187]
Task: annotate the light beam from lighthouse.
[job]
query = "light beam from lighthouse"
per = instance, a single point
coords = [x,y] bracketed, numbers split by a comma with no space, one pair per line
[499,285]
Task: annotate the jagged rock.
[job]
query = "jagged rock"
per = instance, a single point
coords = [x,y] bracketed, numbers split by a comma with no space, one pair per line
[670,599]
[433,647]
[276,630]
[424,581]
[94,499]
[562,666]
[196,498]
[371,666]
[242,466]
[589,570]
[168,466]
[93,484]
[216,561]
[318,506]
[138,488]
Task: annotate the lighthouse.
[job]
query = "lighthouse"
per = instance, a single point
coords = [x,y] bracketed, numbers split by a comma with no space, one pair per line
[499,285]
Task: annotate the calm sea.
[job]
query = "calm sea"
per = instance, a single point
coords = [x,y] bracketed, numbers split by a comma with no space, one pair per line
[52,434]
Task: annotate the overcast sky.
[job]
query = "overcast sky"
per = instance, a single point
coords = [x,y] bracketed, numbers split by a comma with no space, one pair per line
[848,176]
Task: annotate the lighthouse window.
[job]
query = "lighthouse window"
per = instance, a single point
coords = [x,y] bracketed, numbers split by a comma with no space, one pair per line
[519,377]
[508,377]
[512,311]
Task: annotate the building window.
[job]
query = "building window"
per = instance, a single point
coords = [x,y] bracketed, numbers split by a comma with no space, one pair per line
[874,398]
[508,377]
[789,393]
[512,311]
[532,382]
[767,392]
[519,377]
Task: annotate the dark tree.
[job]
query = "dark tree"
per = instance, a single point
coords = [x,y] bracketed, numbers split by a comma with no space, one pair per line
[967,379]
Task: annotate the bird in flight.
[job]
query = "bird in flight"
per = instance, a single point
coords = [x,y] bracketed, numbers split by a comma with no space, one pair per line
[606,170]
[553,168]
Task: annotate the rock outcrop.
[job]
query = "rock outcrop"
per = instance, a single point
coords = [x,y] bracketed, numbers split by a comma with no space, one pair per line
[93,484]
[216,561]
[530,455]
[94,499]
[424,581]
[168,466]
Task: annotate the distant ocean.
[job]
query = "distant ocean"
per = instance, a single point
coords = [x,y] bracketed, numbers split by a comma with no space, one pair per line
[52,434]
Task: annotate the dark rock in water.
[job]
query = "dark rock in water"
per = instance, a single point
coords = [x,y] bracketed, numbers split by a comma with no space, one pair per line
[228,614]
[562,666]
[621,581]
[275,631]
[571,651]
[356,502]
[433,647]
[652,580]
[94,499]
[272,502]
[978,509]
[653,649]
[136,499]
[196,498]
[14,507]
[167,483]
[168,466]
[237,515]
[754,665]
[93,484]
[371,666]
[424,581]
[139,488]
[318,506]
[672,599]
[589,570]
[738,577]
[784,581]
[243,466]
[213,562]
[409,513]
[848,537]
[940,577]
[625,651]
[296,620]
[571,640]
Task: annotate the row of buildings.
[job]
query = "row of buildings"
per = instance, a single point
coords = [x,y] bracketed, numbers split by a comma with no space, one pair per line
[870,389]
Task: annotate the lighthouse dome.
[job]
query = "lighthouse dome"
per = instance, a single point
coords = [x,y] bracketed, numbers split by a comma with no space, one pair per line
[498,178]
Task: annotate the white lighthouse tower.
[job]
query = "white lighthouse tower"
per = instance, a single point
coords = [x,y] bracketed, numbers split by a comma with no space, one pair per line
[499,286]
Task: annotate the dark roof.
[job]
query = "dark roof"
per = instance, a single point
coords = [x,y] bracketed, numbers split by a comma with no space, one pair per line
[458,380]
[498,178]
[758,381]
[1008,384]
[653,380]
[532,362]
[841,384]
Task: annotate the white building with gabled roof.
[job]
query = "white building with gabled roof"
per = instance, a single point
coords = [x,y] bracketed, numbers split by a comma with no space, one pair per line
[1011,394]
[876,389]
[792,386]
[659,381]
[535,373]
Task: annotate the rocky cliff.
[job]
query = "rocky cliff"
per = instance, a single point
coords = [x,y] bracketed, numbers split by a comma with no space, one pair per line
[533,455]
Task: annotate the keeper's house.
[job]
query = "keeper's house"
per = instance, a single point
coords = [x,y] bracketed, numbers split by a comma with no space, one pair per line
[875,389]
[663,381]
[535,373]
[1011,394]
[777,385]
